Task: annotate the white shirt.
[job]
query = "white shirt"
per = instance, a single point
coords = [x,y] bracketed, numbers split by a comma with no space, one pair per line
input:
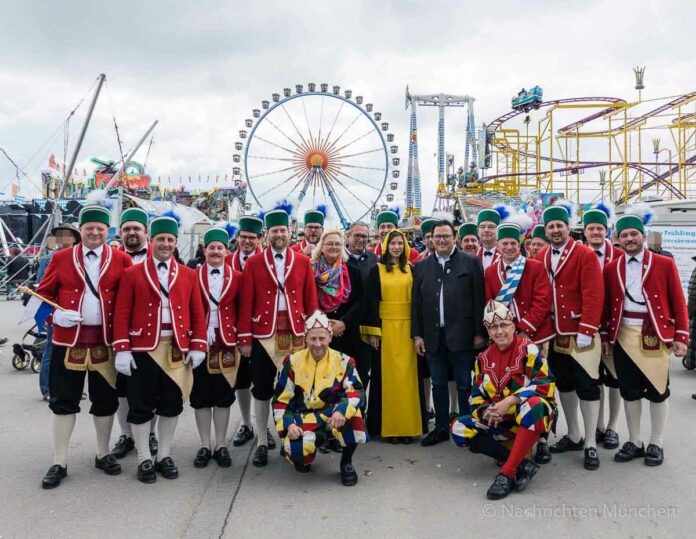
[556,256]
[243,259]
[442,261]
[634,287]
[137,259]
[163,275]
[280,274]
[215,280]
[600,252]
[91,306]
[487,260]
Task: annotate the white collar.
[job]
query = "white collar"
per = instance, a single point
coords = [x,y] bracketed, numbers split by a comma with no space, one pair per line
[158,262]
[97,250]
[602,249]
[282,253]
[211,268]
[639,257]
[491,250]
[559,249]
[442,258]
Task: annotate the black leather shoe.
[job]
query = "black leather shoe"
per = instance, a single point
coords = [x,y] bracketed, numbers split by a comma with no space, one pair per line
[406,440]
[108,464]
[260,456]
[629,451]
[302,468]
[271,440]
[542,455]
[525,473]
[391,440]
[599,436]
[53,476]
[222,457]
[154,444]
[146,472]
[202,458]
[434,437]
[242,436]
[566,444]
[167,468]
[591,458]
[611,439]
[349,476]
[123,446]
[654,455]
[500,488]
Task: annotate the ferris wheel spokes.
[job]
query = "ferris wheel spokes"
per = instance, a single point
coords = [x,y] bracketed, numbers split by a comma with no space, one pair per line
[286,180]
[299,147]
[295,126]
[279,146]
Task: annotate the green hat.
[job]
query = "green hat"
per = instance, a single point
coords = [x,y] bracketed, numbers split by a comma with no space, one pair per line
[216,234]
[539,232]
[95,214]
[555,213]
[509,230]
[467,229]
[135,214]
[488,216]
[314,216]
[388,216]
[251,223]
[427,226]
[276,218]
[595,216]
[164,225]
[629,221]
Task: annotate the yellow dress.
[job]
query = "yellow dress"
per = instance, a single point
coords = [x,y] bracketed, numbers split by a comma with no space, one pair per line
[401,410]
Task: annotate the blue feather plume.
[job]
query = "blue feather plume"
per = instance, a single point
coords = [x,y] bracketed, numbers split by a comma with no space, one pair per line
[607,208]
[261,215]
[397,211]
[567,204]
[323,209]
[648,216]
[502,210]
[173,215]
[231,230]
[284,205]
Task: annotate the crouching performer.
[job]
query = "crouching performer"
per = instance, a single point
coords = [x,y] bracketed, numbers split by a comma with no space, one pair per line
[319,392]
[512,403]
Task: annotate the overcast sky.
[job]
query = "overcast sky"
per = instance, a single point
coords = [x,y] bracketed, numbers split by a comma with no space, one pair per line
[200,67]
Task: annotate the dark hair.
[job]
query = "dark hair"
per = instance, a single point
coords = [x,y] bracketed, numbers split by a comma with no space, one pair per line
[386,257]
[444,222]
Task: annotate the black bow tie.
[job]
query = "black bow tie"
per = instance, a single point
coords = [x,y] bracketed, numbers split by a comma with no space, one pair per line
[215,271]
[632,259]
[142,251]
[598,252]
[279,256]
[161,265]
[91,254]
[487,253]
[244,258]
[556,251]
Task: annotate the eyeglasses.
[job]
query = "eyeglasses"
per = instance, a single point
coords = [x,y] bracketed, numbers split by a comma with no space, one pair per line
[332,244]
[247,238]
[442,237]
[500,326]
[359,236]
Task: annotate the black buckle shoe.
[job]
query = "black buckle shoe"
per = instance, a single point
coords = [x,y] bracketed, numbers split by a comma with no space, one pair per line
[611,439]
[146,472]
[123,446]
[591,458]
[525,473]
[202,458]
[154,444]
[349,476]
[629,451]
[260,456]
[167,468]
[434,437]
[566,444]
[53,476]
[500,488]
[108,464]
[242,436]
[222,457]
[654,455]
[599,436]
[271,440]
[542,455]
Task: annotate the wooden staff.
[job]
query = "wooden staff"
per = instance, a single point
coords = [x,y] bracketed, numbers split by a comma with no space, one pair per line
[29,291]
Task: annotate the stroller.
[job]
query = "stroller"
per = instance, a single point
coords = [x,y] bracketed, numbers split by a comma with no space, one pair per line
[30,351]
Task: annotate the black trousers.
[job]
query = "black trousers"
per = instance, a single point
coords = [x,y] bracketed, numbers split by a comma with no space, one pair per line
[210,389]
[65,387]
[243,373]
[263,372]
[121,385]
[570,376]
[633,384]
[606,377]
[150,390]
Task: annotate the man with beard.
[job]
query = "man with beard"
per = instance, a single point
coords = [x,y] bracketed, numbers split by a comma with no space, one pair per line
[278,296]
[487,222]
[595,223]
[159,333]
[427,231]
[538,242]
[313,229]
[645,320]
[133,231]
[574,355]
[468,238]
[248,242]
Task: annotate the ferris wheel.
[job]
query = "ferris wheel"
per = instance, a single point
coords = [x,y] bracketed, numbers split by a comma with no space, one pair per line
[318,147]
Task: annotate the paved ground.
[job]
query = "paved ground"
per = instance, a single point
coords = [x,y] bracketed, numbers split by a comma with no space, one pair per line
[403,491]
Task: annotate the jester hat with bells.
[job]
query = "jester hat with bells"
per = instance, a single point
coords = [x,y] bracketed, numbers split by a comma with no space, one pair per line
[495,312]
[317,320]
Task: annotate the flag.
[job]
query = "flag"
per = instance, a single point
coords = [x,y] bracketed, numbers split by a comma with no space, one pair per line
[52,163]
[38,310]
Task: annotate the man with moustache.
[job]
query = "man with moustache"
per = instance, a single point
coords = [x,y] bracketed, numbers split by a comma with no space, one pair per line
[468,238]
[313,229]
[538,242]
[159,334]
[278,296]
[133,232]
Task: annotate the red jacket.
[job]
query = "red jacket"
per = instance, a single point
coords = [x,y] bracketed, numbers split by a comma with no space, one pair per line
[496,255]
[577,289]
[64,283]
[299,247]
[233,259]
[532,300]
[259,299]
[610,252]
[122,248]
[232,283]
[137,319]
[663,294]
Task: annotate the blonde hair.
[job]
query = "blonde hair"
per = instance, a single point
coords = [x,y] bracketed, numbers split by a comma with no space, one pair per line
[320,244]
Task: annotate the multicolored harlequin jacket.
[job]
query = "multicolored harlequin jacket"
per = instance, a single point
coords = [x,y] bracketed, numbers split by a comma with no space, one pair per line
[308,392]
